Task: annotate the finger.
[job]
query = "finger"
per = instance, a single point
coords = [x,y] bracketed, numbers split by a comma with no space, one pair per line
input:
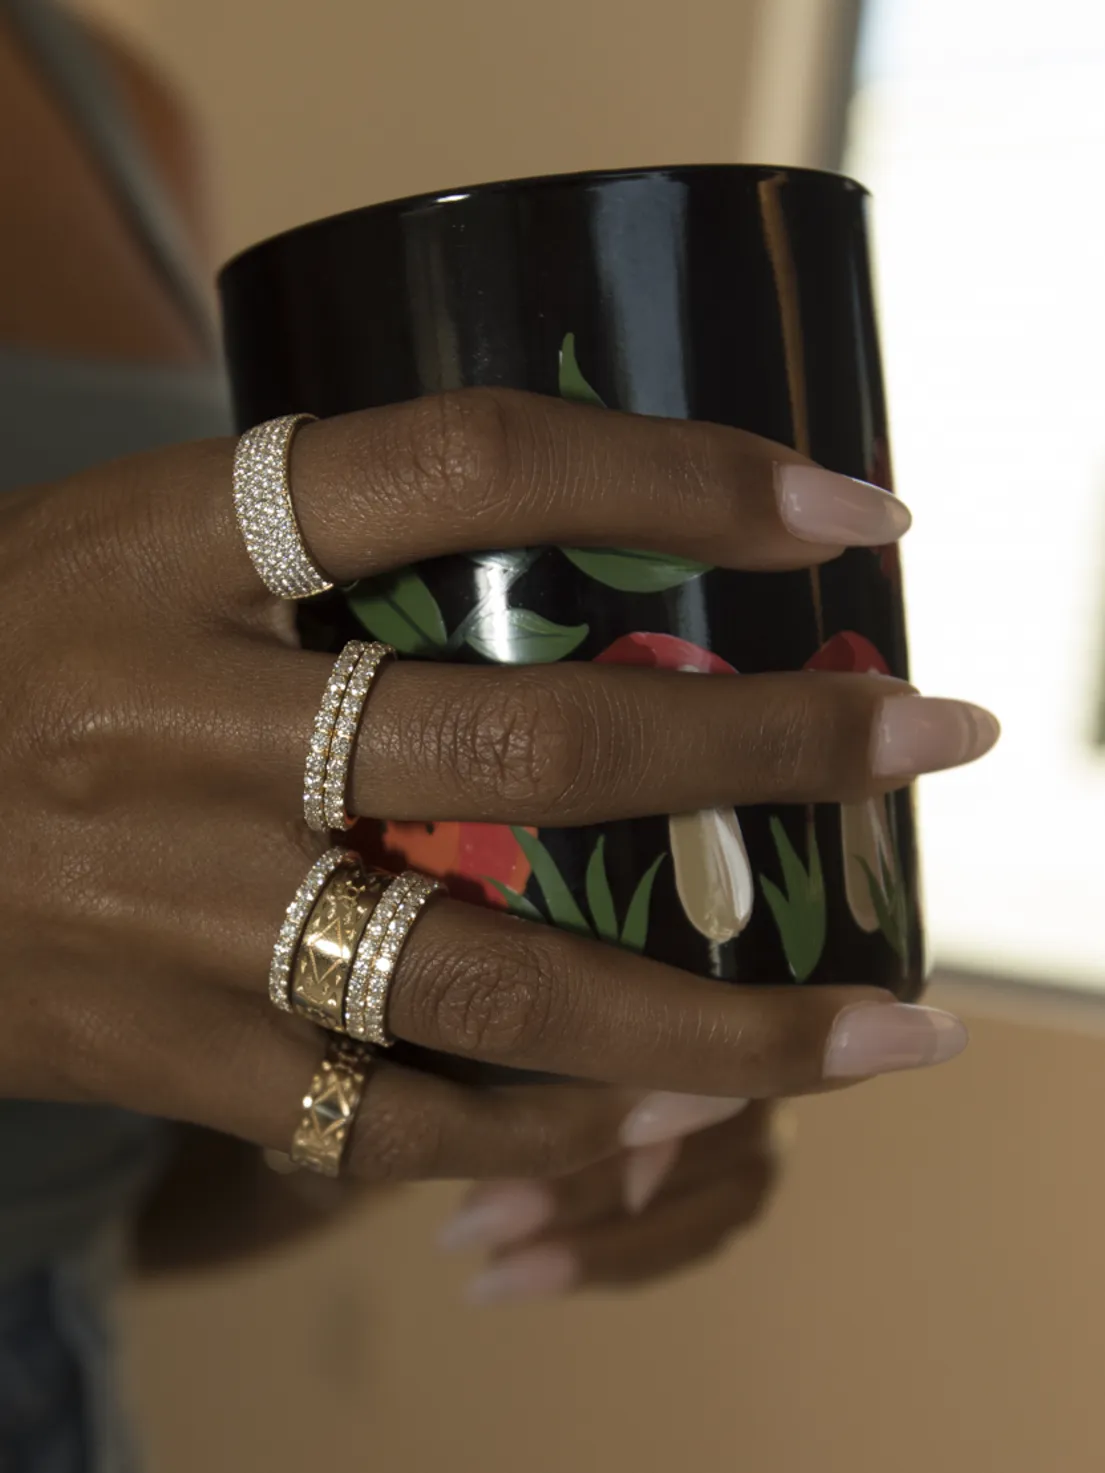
[490,989]
[230,1063]
[504,991]
[493,468]
[579,743]
[499,1213]
[675,1234]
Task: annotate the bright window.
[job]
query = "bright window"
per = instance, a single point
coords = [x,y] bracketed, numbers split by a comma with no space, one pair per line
[980,127]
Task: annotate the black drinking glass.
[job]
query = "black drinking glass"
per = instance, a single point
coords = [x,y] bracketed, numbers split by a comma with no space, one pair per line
[736,294]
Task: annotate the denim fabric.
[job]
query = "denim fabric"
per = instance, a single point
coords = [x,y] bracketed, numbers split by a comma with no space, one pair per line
[58,1408]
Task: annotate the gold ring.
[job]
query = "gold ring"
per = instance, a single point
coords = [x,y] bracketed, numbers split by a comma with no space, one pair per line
[326,719]
[330,1107]
[328,943]
[295,918]
[377,955]
[266,516]
[344,733]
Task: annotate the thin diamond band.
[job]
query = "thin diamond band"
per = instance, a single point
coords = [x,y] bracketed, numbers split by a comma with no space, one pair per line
[263,503]
[377,955]
[318,751]
[344,734]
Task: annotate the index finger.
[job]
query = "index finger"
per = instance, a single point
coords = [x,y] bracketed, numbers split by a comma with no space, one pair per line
[505,991]
[488,469]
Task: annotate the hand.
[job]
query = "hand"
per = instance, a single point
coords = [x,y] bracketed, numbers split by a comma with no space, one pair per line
[641,1214]
[157,713]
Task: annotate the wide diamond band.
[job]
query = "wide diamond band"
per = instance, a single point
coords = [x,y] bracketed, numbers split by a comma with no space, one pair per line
[263,503]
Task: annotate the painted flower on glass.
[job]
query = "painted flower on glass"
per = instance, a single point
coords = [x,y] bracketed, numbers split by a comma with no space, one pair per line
[712,875]
[872,882]
[480,862]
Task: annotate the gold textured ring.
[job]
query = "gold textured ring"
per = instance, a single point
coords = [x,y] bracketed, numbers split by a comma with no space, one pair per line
[330,1107]
[328,943]
[314,776]
[295,918]
[344,735]
[266,517]
[370,977]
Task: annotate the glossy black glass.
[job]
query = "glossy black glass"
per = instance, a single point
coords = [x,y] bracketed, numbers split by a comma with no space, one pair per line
[735,294]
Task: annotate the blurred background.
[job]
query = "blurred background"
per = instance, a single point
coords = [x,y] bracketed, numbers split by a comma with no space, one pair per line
[929,1290]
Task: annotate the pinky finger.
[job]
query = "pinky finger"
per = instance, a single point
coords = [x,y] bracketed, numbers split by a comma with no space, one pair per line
[628,1250]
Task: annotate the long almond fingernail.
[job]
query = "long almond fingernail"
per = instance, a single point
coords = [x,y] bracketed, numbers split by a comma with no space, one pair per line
[536,1273]
[495,1215]
[880,1038]
[664,1116]
[915,734]
[647,1168]
[820,506]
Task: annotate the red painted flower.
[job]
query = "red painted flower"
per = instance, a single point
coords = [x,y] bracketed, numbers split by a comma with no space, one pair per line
[712,874]
[864,827]
[467,856]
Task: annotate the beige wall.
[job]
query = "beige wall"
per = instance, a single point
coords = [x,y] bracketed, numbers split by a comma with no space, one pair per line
[929,1292]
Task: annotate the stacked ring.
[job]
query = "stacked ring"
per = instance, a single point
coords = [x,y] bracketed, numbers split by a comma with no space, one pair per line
[330,1108]
[377,955]
[330,752]
[295,918]
[344,733]
[314,777]
[328,943]
[340,941]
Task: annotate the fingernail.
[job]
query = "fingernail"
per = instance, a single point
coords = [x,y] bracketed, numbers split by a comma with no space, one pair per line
[877,1038]
[663,1116]
[821,506]
[917,734]
[538,1273]
[493,1216]
[646,1170]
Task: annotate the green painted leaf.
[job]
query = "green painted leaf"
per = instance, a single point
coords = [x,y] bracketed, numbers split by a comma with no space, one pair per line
[561,905]
[517,904]
[635,929]
[521,637]
[888,908]
[600,901]
[634,572]
[799,913]
[796,881]
[573,386]
[400,610]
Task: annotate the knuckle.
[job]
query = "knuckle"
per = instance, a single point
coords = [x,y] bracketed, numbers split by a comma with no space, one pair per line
[529,741]
[72,735]
[463,447]
[393,1141]
[495,1007]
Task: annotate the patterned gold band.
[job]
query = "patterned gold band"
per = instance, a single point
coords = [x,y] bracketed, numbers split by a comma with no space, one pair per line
[328,944]
[330,1108]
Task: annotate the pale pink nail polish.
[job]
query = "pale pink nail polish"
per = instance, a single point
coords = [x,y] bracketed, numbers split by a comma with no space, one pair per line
[535,1273]
[878,1038]
[663,1116]
[915,734]
[820,506]
[647,1168]
[492,1216]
